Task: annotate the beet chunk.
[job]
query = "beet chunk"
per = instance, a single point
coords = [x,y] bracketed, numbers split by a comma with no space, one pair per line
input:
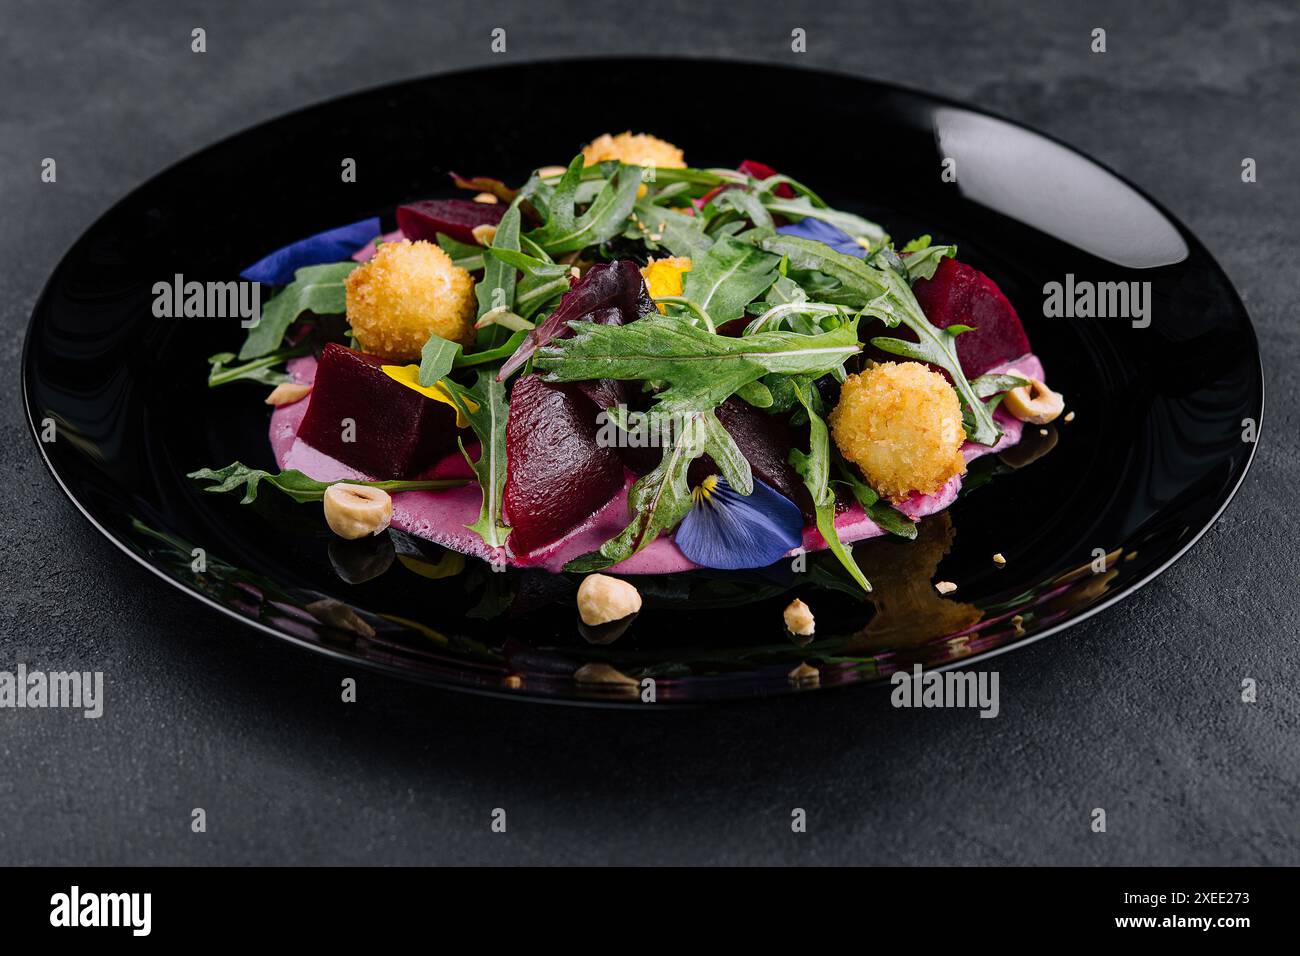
[399,433]
[556,474]
[765,441]
[453,217]
[962,295]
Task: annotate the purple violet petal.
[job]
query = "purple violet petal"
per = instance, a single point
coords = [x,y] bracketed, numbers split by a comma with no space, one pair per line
[824,232]
[728,530]
[332,245]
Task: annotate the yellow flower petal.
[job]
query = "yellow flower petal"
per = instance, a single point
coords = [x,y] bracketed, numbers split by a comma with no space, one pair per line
[409,375]
[664,276]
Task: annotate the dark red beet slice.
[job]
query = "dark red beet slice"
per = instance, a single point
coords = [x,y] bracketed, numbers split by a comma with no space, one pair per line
[962,295]
[612,293]
[765,441]
[453,217]
[751,167]
[556,474]
[398,432]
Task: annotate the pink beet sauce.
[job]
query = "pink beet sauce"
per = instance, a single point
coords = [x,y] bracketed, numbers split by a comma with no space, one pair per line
[441,516]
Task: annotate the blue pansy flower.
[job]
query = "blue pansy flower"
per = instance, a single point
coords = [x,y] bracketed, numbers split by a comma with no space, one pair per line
[727,530]
[824,232]
[333,245]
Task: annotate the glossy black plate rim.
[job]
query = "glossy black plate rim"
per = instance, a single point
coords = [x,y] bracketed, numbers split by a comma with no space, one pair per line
[429,679]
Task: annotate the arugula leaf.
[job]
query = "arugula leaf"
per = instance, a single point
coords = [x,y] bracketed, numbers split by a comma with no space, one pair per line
[492,355]
[814,468]
[887,296]
[923,263]
[660,499]
[700,369]
[886,516]
[543,281]
[317,289]
[991,384]
[489,424]
[297,485]
[917,244]
[566,231]
[728,277]
[463,255]
[680,234]
[437,358]
[496,290]
[743,203]
[261,370]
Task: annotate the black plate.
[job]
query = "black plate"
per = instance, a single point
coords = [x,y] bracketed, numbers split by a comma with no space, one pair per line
[1154,454]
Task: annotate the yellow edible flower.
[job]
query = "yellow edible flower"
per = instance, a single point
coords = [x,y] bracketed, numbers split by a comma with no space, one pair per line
[664,276]
[409,375]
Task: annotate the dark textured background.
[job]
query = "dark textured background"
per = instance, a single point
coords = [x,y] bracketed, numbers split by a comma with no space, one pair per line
[1136,711]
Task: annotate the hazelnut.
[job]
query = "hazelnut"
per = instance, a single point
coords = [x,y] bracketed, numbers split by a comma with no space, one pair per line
[354,511]
[602,599]
[1034,403]
[799,618]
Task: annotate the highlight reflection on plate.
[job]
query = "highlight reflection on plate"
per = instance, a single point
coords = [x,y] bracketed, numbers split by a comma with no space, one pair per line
[1083,514]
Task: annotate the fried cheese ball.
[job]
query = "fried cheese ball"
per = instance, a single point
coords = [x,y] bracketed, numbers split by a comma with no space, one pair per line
[636,149]
[901,424]
[408,290]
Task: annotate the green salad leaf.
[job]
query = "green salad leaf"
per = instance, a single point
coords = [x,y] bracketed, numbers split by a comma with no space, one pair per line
[298,486]
[317,289]
[566,231]
[496,290]
[488,420]
[886,516]
[701,370]
[814,469]
[262,370]
[679,233]
[437,358]
[729,276]
[886,295]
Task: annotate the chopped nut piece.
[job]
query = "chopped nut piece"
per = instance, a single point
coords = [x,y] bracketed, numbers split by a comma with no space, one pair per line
[999,560]
[286,393]
[513,681]
[484,233]
[354,511]
[1069,416]
[945,587]
[1034,403]
[1018,622]
[602,599]
[1043,432]
[486,198]
[805,673]
[799,618]
[550,172]
[603,674]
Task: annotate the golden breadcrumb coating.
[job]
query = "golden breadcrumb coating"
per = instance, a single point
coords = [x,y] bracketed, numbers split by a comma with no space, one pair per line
[901,424]
[636,149]
[664,276]
[408,290]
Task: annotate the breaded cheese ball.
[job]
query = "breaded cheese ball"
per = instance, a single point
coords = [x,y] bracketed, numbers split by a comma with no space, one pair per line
[406,291]
[901,424]
[636,149]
